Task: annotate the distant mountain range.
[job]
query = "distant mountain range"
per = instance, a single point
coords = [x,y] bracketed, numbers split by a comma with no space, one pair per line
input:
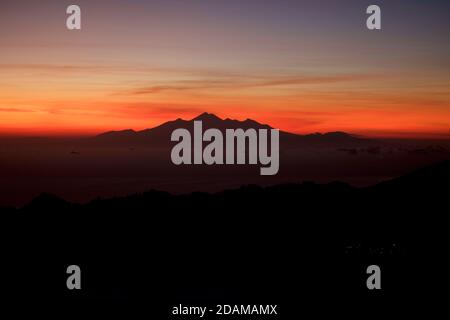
[160,135]
[118,163]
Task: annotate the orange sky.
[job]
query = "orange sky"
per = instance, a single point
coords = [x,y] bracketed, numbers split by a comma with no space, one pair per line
[153,68]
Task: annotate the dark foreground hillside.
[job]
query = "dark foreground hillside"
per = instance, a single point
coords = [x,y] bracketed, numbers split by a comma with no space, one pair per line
[304,247]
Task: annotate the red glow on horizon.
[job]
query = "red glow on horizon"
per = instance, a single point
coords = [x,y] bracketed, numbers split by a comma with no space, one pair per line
[288,125]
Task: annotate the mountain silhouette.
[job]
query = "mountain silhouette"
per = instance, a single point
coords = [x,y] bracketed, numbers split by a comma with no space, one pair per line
[430,179]
[247,242]
[160,135]
[118,163]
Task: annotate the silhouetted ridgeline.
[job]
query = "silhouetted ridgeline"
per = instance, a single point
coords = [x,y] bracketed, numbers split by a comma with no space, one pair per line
[127,162]
[266,245]
[160,135]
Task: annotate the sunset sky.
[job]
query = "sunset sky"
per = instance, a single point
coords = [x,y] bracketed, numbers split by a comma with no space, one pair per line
[301,66]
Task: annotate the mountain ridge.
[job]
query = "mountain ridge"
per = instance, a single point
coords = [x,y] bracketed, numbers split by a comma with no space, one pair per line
[416,181]
[210,120]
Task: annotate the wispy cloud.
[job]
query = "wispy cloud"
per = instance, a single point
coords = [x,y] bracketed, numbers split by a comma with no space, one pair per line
[167,79]
[247,83]
[15,110]
[122,68]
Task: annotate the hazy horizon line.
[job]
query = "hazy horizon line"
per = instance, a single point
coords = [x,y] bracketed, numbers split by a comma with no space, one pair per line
[79,133]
